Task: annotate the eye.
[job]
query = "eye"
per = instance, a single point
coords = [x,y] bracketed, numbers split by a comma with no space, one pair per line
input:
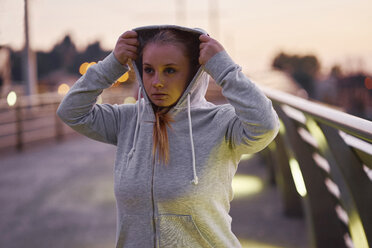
[169,70]
[148,70]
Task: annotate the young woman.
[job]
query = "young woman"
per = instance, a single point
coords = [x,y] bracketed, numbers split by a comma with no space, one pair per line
[176,152]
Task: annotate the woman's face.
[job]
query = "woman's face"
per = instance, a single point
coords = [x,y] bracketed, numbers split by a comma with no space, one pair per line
[165,73]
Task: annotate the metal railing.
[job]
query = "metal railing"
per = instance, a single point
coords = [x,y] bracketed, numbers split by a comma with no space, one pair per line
[33,118]
[30,120]
[322,162]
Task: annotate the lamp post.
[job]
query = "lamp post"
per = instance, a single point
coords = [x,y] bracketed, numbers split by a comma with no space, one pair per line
[181,12]
[29,60]
[214,24]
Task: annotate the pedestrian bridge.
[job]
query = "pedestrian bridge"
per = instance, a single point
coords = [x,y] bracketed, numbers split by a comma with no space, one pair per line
[310,188]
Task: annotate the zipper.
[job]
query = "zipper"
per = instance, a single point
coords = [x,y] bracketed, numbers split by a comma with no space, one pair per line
[153,204]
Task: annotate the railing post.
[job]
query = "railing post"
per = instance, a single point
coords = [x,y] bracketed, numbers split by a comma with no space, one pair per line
[268,156]
[284,179]
[19,127]
[342,158]
[58,124]
[355,186]
[324,225]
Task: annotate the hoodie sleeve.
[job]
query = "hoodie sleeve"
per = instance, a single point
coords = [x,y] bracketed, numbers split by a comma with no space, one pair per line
[79,110]
[255,123]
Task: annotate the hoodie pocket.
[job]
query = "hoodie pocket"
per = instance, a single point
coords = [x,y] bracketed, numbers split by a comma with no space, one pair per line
[179,231]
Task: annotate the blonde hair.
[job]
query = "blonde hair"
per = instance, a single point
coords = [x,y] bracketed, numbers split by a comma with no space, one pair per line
[160,135]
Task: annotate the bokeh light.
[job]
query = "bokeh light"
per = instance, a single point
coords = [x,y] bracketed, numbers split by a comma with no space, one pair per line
[297,177]
[124,77]
[246,157]
[85,66]
[99,100]
[89,65]
[129,100]
[368,83]
[63,89]
[11,98]
[245,185]
[251,243]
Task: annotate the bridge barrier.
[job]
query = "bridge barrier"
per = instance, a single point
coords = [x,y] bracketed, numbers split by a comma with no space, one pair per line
[322,162]
[33,119]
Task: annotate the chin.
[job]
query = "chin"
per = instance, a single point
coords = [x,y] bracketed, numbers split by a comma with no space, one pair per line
[162,103]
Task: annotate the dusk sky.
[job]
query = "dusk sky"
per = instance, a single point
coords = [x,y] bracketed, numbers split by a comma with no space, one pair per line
[253,32]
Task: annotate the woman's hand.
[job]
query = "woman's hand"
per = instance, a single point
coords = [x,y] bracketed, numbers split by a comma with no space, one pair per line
[208,48]
[126,47]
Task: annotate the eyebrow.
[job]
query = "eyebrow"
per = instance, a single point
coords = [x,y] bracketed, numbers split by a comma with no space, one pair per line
[170,64]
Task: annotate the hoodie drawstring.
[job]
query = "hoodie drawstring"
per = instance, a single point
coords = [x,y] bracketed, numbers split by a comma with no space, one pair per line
[195,180]
[130,155]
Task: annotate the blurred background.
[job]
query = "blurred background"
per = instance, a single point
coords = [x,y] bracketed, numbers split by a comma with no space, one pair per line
[323,46]
[319,50]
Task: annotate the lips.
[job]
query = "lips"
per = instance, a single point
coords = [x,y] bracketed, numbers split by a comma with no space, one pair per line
[158,96]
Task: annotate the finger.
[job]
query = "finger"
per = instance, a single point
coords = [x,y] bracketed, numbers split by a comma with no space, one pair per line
[204,38]
[131,48]
[203,45]
[131,41]
[129,34]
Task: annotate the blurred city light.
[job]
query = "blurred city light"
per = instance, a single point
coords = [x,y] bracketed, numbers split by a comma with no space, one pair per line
[245,185]
[90,64]
[99,100]
[129,100]
[368,83]
[250,243]
[11,98]
[63,89]
[246,157]
[85,66]
[121,80]
[297,177]
[124,77]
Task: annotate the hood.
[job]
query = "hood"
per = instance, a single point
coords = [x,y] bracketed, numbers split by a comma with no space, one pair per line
[196,88]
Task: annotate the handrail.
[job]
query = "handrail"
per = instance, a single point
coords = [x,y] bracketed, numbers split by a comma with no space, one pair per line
[32,119]
[323,158]
[348,123]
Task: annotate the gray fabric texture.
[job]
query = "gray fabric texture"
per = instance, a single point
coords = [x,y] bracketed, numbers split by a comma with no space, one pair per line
[157,205]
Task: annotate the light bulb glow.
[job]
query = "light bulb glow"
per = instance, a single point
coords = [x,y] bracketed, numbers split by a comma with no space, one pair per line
[63,89]
[11,98]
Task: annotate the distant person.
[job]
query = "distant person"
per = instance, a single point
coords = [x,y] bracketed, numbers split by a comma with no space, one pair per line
[176,152]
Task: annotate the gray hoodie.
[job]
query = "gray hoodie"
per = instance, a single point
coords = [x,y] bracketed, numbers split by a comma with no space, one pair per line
[185,203]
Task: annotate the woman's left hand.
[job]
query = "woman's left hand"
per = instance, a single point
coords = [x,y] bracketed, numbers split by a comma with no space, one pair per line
[208,48]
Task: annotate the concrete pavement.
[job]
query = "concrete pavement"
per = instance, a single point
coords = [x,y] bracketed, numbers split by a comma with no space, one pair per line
[61,195]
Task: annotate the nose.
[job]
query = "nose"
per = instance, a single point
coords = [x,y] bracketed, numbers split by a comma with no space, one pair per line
[157,82]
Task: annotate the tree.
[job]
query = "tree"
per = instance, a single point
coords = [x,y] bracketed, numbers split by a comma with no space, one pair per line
[303,69]
[63,56]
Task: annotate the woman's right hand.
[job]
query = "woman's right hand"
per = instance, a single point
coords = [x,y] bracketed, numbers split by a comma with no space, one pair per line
[126,47]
